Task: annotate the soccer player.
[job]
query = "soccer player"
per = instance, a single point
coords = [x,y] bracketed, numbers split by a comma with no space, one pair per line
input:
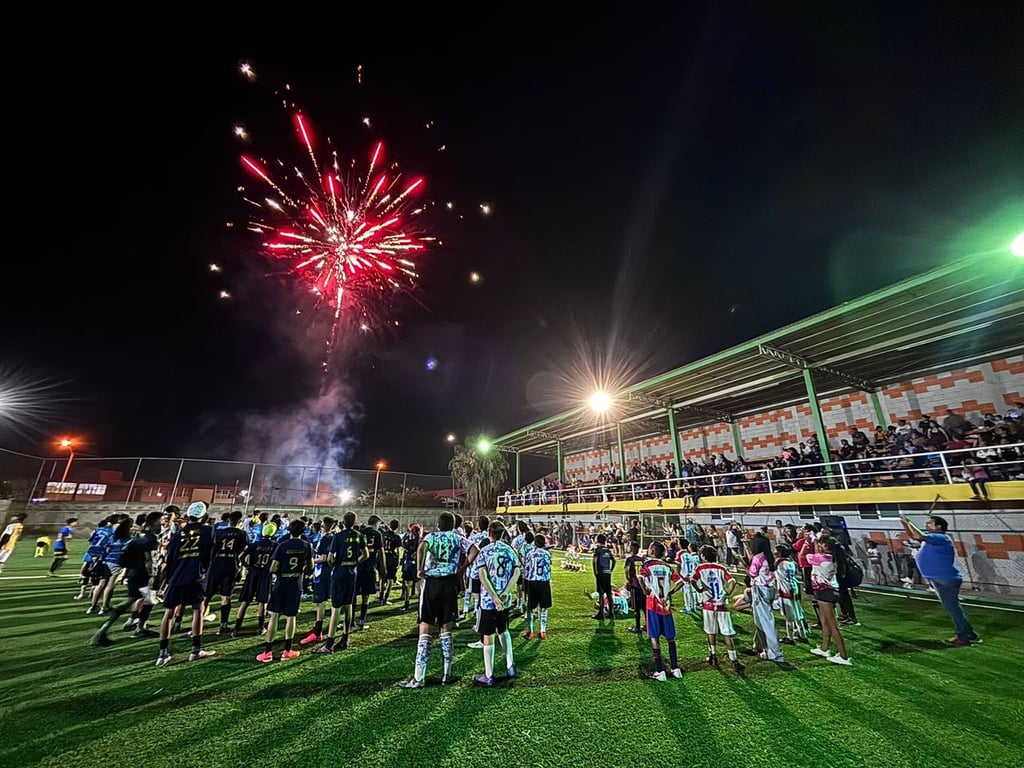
[321,580]
[522,543]
[134,560]
[370,568]
[537,584]
[188,557]
[9,538]
[256,587]
[714,583]
[229,541]
[92,566]
[498,564]
[440,561]
[471,546]
[788,582]
[392,542]
[348,550]
[688,562]
[633,564]
[111,561]
[659,581]
[60,546]
[410,573]
[603,563]
[292,558]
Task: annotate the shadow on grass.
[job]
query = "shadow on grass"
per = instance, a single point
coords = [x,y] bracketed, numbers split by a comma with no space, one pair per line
[912,646]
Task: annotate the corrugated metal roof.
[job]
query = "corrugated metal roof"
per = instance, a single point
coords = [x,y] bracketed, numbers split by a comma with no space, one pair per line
[969,311]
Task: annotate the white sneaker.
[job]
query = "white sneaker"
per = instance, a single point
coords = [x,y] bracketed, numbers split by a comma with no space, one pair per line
[677,672]
[840,660]
[818,652]
[659,676]
[476,644]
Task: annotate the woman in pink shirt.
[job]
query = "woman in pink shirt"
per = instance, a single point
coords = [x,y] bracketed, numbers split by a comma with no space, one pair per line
[826,587]
[762,594]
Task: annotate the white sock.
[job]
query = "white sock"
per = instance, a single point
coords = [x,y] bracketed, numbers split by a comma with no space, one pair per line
[489,660]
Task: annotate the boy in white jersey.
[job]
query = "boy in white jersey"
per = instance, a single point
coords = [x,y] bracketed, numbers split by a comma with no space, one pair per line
[659,581]
[715,584]
[688,562]
[537,585]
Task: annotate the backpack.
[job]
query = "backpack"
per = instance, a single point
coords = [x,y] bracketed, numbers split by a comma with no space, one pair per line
[849,572]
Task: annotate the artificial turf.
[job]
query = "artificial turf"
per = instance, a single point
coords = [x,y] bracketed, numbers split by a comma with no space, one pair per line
[580,698]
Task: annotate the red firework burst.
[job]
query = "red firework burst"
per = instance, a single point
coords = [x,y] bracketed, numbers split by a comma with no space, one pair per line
[347,235]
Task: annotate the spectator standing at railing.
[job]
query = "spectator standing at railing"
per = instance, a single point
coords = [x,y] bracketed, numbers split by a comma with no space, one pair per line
[937,563]
[977,476]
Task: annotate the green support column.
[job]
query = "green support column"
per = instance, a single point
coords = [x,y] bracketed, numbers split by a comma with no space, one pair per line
[819,425]
[622,454]
[737,441]
[561,461]
[676,450]
[519,483]
[880,414]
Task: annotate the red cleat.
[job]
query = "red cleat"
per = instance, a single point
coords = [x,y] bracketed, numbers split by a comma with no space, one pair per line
[312,637]
[527,635]
[286,655]
[543,635]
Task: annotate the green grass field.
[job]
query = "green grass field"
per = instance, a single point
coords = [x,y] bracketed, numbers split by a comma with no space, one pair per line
[580,698]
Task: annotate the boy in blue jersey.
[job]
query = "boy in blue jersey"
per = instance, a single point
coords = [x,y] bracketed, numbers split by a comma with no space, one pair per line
[229,541]
[292,558]
[256,587]
[188,558]
[321,578]
[135,561]
[111,557]
[537,585]
[392,543]
[440,562]
[60,546]
[348,550]
[497,569]
[92,561]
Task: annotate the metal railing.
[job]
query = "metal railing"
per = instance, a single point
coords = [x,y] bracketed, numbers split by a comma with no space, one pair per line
[936,467]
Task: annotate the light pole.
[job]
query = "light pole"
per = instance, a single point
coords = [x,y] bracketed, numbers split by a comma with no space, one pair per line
[376,483]
[451,439]
[69,444]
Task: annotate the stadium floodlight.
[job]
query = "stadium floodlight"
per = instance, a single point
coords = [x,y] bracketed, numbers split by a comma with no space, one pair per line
[1017,246]
[600,401]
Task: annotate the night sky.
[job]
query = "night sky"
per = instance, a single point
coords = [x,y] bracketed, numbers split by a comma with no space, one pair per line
[662,186]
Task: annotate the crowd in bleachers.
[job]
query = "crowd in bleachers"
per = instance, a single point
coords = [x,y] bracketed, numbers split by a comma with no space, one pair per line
[986,448]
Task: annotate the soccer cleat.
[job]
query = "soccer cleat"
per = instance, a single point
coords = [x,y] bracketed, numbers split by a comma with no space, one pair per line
[287,655]
[100,640]
[235,634]
[713,661]
[343,643]
[91,610]
[511,671]
[411,684]
[264,657]
[841,660]
[818,652]
[484,680]
[78,597]
[634,630]
[477,644]
[527,635]
[787,641]
[201,654]
[677,672]
[324,649]
[163,659]
[659,676]
[544,636]
[142,632]
[737,667]
[312,637]
[224,629]
[956,641]
[446,680]
[130,625]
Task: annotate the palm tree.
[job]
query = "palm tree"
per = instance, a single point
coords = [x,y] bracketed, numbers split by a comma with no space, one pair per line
[481,470]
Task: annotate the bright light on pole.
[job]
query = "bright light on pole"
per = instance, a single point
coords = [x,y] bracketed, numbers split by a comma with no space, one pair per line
[68,443]
[376,483]
[600,401]
[483,445]
[451,438]
[1017,246]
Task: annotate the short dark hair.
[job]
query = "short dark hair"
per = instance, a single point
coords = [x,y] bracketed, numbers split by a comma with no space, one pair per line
[601,539]
[496,530]
[540,541]
[709,553]
[446,521]
[484,522]
[329,523]
[348,519]
[235,517]
[393,525]
[296,528]
[658,549]
[940,523]
[71,520]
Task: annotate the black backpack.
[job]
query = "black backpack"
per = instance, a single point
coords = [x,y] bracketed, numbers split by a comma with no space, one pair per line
[849,572]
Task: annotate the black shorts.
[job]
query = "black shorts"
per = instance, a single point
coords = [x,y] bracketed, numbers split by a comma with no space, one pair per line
[538,594]
[184,594]
[285,597]
[825,595]
[439,600]
[343,586]
[409,572]
[256,587]
[367,582]
[493,622]
[474,586]
[97,571]
[136,579]
[390,567]
[60,554]
[221,579]
[604,582]
[322,584]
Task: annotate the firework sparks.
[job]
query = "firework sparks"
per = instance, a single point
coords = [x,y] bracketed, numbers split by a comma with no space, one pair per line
[344,234]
